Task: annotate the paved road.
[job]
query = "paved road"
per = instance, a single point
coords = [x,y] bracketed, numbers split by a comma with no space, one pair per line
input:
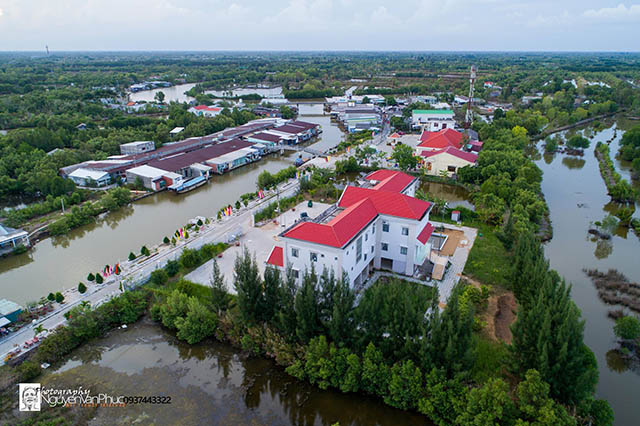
[134,273]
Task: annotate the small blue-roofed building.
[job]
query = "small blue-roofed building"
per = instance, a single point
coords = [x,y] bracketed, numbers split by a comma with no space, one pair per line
[9,312]
[11,238]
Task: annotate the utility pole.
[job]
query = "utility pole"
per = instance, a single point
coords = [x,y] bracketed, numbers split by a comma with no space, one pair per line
[62,200]
[469,116]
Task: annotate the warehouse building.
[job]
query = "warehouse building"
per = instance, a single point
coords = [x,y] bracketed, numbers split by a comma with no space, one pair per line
[133,148]
[152,178]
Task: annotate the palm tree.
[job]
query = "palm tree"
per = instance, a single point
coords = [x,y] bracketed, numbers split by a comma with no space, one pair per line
[39,329]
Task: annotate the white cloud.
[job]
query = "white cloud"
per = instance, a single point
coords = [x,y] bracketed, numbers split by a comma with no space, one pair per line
[616,14]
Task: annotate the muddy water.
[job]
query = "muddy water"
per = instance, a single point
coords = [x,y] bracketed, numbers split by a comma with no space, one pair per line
[209,383]
[577,196]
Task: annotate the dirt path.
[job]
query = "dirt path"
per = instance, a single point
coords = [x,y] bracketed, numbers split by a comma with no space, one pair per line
[504,317]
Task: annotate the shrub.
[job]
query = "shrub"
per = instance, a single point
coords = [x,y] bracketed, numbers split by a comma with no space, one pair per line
[51,297]
[159,276]
[82,288]
[199,222]
[132,256]
[29,370]
[91,277]
[144,251]
[165,240]
[172,267]
[99,278]
[59,297]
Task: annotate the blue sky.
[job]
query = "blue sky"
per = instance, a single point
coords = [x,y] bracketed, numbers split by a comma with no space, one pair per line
[582,25]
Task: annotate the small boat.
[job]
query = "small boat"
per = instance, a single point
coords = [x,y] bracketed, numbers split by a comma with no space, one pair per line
[188,185]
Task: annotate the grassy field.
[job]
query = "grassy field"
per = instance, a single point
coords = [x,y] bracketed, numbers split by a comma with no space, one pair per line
[489,262]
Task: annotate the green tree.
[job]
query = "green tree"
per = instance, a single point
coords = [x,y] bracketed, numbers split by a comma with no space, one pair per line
[627,328]
[451,346]
[548,337]
[306,303]
[51,297]
[535,405]
[341,324]
[219,294]
[248,285]
[159,96]
[403,155]
[405,386]
[286,315]
[165,240]
[444,399]
[375,373]
[172,267]
[59,297]
[159,276]
[91,277]
[175,306]
[132,256]
[488,405]
[82,288]
[99,279]
[144,251]
[578,142]
[269,300]
[198,323]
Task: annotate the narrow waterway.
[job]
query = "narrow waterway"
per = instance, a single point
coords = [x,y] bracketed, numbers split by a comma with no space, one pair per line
[209,383]
[577,197]
[171,94]
[61,262]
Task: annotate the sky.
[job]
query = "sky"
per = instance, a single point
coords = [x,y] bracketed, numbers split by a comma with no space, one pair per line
[373,25]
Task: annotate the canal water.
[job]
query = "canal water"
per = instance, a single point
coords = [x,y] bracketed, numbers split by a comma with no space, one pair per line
[209,383]
[177,93]
[577,197]
[61,262]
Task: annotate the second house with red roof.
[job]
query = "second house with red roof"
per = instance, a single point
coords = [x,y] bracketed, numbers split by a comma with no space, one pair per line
[377,226]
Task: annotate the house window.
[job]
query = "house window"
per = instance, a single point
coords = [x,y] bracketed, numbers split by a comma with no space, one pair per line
[296,273]
[451,168]
[373,230]
[365,256]
[384,246]
[405,231]
[371,249]
[385,226]
[403,250]
[295,252]
[366,237]
[313,257]
[358,249]
[444,125]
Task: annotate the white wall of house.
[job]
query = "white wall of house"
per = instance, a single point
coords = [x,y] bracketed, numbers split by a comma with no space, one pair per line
[402,249]
[444,162]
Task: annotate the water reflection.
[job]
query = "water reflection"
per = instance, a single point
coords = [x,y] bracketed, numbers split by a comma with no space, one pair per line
[574,163]
[209,383]
[454,195]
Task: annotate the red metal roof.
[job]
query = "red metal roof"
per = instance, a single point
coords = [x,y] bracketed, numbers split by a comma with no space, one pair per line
[386,202]
[390,180]
[426,232]
[467,156]
[441,139]
[340,230]
[276,258]
[207,108]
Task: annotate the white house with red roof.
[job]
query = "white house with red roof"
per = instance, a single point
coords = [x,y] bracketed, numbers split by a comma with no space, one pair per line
[432,120]
[436,141]
[205,110]
[377,226]
[449,159]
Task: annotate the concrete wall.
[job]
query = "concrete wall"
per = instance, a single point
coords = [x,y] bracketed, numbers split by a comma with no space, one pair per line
[434,165]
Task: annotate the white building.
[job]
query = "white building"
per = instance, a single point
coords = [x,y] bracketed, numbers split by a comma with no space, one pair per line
[205,111]
[153,178]
[133,148]
[381,226]
[11,238]
[88,177]
[432,120]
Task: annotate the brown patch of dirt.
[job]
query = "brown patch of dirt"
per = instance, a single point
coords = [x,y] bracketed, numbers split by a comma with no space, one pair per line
[499,314]
[504,317]
[453,241]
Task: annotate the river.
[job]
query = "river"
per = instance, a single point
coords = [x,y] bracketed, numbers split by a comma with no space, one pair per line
[60,263]
[577,196]
[209,383]
[177,93]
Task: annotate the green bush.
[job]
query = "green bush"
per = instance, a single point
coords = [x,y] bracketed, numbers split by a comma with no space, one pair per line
[59,297]
[99,278]
[29,370]
[91,277]
[172,267]
[132,256]
[51,297]
[159,276]
[82,288]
